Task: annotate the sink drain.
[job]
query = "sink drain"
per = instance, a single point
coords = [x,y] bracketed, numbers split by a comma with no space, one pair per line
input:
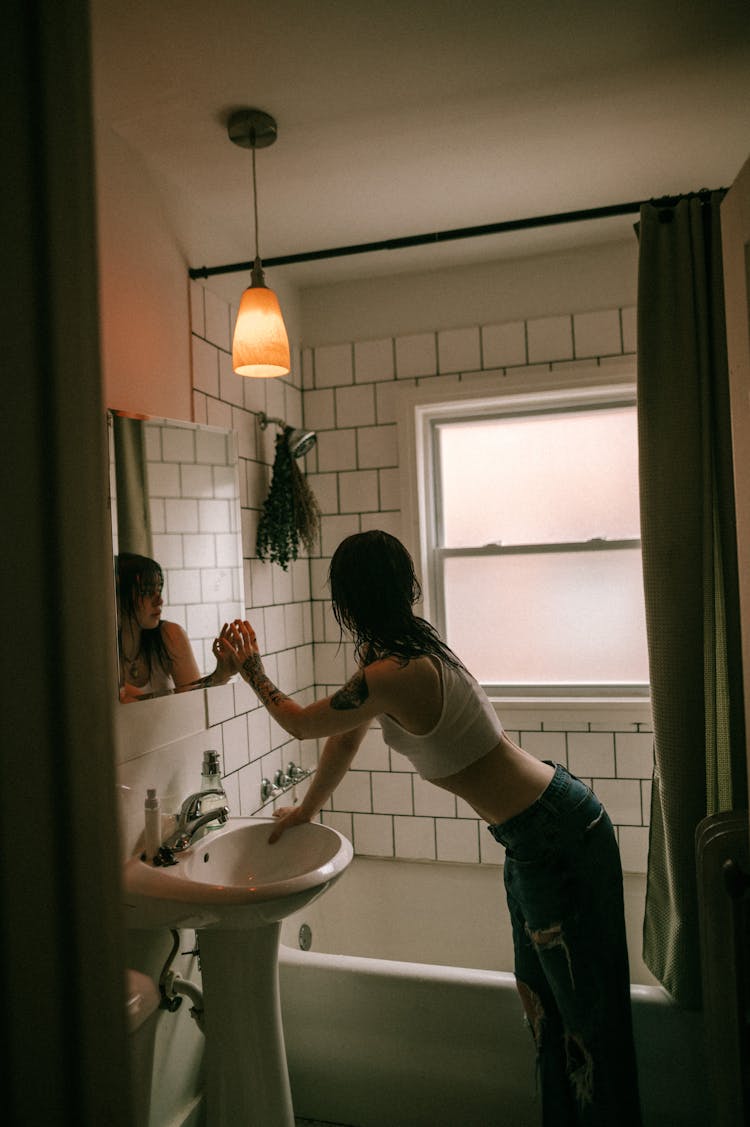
[305,937]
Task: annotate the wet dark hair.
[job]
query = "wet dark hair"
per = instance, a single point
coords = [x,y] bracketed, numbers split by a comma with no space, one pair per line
[137,577]
[373,591]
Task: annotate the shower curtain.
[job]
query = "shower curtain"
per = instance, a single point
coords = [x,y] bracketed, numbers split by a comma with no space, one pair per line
[689,567]
[131,475]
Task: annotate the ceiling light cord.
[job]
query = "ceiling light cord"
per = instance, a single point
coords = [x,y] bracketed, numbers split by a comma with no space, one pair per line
[255,202]
[257,274]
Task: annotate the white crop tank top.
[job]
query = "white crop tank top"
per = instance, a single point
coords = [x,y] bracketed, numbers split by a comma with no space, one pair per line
[467,729]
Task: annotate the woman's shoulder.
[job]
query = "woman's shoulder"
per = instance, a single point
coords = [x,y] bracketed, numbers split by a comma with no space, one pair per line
[173,632]
[182,663]
[401,672]
[392,663]
[176,640]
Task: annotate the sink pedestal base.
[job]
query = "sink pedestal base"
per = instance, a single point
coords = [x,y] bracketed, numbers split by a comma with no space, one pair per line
[247,1081]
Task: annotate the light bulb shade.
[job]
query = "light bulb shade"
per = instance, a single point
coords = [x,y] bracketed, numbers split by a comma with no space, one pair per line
[260,346]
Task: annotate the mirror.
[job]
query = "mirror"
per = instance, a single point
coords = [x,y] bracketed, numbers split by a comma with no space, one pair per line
[177,545]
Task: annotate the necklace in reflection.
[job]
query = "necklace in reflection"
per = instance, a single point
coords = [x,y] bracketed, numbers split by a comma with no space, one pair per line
[132,664]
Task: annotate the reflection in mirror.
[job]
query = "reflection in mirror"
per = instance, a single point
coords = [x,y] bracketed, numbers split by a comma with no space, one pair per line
[175,501]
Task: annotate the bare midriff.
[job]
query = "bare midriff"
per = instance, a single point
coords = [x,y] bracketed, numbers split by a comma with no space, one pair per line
[501,784]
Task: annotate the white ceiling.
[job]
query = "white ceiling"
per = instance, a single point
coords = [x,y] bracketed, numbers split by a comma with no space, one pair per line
[401,118]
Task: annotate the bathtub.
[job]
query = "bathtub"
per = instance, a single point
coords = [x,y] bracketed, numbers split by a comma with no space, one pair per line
[403,1012]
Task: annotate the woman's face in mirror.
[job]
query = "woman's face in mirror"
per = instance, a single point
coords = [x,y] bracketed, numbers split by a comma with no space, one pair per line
[148,606]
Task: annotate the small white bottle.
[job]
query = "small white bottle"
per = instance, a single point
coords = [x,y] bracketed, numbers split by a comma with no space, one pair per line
[152,809]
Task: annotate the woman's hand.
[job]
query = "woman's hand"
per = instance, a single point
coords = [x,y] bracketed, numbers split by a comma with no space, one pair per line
[286,817]
[129,693]
[235,646]
[238,642]
[223,651]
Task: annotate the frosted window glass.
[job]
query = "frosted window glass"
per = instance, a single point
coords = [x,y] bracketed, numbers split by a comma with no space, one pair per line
[548,618]
[548,478]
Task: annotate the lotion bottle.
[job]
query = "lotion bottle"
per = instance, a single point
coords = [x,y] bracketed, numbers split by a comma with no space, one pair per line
[152,810]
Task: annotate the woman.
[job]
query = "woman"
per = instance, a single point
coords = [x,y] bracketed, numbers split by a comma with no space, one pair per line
[562,868]
[155,655]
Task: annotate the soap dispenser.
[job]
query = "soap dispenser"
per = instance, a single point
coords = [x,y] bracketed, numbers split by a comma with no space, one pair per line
[211,780]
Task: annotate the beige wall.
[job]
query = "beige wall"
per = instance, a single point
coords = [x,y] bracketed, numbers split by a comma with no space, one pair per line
[573,281]
[143,289]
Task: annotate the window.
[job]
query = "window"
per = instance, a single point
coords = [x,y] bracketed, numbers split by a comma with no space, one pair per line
[533,544]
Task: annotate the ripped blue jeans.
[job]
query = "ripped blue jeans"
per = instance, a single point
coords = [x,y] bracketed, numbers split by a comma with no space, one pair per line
[563,880]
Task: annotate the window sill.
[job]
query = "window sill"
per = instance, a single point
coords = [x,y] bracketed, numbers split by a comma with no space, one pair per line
[562,711]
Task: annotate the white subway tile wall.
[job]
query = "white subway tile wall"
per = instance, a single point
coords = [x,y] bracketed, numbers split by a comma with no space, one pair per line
[549,339]
[415,838]
[374,360]
[345,391]
[597,334]
[504,345]
[194,516]
[416,355]
[278,602]
[459,350]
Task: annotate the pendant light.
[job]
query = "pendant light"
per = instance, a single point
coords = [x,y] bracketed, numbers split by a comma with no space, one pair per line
[260,346]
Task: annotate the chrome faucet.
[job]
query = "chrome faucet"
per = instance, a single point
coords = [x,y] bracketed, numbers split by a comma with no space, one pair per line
[189,821]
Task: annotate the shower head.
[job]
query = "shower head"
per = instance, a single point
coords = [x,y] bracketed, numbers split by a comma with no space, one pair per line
[300,442]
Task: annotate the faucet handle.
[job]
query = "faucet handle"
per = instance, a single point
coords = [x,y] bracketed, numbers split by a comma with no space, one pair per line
[268,790]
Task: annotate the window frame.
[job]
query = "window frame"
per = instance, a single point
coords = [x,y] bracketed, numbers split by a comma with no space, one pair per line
[422,409]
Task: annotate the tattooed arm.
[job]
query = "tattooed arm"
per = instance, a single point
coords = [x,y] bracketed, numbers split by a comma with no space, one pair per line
[257,678]
[353,694]
[352,706]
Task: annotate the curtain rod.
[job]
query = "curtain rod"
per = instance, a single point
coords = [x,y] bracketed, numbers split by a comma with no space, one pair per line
[421,240]
[443,236]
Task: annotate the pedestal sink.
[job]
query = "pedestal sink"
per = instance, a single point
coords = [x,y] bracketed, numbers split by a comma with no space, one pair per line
[234,889]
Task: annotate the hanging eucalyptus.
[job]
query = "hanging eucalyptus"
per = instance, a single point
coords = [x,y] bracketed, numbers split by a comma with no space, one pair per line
[290,516]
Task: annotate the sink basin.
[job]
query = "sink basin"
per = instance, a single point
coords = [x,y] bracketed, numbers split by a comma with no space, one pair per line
[234,889]
[233,879]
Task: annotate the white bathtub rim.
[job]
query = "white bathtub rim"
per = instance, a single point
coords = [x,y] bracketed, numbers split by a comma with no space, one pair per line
[432,972]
